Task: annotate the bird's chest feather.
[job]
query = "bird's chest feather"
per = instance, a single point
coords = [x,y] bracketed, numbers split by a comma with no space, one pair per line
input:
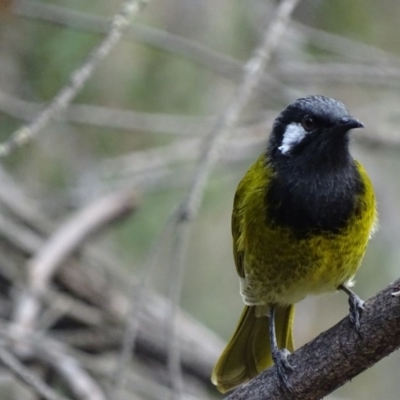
[320,203]
[305,237]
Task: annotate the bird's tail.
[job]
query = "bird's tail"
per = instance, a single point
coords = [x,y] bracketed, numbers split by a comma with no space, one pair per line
[248,351]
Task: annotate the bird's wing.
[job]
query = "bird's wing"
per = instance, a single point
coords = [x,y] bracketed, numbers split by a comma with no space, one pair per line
[249,199]
[237,219]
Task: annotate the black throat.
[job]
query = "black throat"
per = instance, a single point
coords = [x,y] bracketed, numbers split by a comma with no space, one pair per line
[313,195]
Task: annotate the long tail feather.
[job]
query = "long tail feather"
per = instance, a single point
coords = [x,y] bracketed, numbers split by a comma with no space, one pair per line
[248,351]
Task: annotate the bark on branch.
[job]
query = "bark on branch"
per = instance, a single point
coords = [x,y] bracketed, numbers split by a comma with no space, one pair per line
[336,355]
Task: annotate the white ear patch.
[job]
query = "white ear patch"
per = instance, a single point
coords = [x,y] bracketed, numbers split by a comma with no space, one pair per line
[294,134]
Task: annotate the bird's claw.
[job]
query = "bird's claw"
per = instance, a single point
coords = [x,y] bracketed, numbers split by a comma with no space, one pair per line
[356,309]
[283,367]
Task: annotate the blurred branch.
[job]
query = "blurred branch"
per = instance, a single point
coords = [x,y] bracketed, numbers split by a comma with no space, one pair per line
[244,142]
[26,376]
[99,279]
[82,385]
[137,305]
[335,356]
[43,266]
[59,305]
[63,243]
[254,70]
[221,64]
[235,150]
[118,25]
[348,48]
[375,75]
[105,117]
[52,353]
[92,282]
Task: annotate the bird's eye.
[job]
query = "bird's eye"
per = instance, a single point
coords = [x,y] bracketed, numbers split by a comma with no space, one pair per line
[308,123]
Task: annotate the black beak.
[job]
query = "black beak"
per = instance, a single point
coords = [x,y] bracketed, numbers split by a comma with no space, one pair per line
[348,123]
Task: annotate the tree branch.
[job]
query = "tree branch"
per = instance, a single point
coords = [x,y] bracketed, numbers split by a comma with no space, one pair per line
[336,355]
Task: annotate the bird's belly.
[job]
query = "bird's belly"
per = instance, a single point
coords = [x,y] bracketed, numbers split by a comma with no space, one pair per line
[287,273]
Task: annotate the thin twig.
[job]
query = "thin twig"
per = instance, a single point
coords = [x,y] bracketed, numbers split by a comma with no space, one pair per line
[25,375]
[189,207]
[119,24]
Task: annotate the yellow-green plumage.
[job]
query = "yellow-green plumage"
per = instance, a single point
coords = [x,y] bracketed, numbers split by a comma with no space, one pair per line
[279,267]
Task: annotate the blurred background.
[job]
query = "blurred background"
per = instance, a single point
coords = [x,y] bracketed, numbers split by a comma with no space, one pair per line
[139,123]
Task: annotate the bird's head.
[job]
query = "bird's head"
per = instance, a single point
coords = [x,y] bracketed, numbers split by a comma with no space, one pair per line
[312,127]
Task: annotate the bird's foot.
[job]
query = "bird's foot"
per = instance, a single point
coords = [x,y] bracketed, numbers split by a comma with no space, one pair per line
[283,367]
[356,307]
[356,310]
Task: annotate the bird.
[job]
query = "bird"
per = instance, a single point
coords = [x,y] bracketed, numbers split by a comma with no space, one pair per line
[302,217]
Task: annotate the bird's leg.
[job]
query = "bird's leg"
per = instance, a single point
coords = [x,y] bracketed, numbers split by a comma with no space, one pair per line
[356,307]
[279,356]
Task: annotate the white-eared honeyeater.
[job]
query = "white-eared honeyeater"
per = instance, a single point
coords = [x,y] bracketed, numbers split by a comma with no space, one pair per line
[302,217]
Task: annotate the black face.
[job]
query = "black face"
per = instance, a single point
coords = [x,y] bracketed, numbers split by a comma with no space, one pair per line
[314,124]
